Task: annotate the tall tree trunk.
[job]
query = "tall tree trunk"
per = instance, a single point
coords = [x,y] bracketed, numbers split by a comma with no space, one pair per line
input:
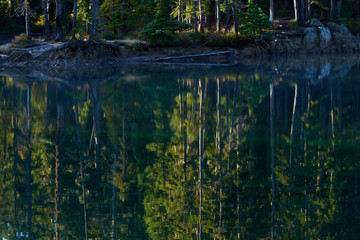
[338,12]
[28,163]
[302,10]
[227,17]
[95,17]
[46,5]
[296,10]
[235,13]
[272,146]
[332,10]
[82,166]
[200,159]
[74,19]
[218,104]
[308,9]
[201,10]
[180,11]
[59,15]
[271,16]
[218,15]
[195,17]
[27,17]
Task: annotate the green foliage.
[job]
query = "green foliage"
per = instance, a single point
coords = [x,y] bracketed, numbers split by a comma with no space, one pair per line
[254,23]
[294,24]
[319,4]
[21,41]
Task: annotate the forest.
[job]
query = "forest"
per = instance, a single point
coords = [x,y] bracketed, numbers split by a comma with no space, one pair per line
[166,19]
[220,154]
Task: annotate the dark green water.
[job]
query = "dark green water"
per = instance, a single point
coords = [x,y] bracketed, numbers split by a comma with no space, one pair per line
[118,153]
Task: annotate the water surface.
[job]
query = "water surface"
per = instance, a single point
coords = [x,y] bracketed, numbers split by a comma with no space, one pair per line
[251,151]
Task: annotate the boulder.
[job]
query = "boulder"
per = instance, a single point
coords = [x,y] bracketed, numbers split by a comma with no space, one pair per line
[19,55]
[324,37]
[345,31]
[6,49]
[314,22]
[337,37]
[333,27]
[311,38]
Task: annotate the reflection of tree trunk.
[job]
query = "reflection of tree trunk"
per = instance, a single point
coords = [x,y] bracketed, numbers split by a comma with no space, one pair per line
[28,163]
[58,159]
[200,159]
[114,169]
[124,133]
[238,168]
[227,121]
[272,146]
[184,115]
[96,121]
[339,104]
[218,104]
[232,123]
[332,106]
[356,206]
[82,166]
[305,162]
[292,143]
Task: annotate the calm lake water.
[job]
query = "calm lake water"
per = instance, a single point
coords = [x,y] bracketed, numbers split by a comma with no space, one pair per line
[250,151]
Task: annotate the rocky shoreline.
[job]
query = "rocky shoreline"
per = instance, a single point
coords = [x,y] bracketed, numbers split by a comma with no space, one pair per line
[314,38]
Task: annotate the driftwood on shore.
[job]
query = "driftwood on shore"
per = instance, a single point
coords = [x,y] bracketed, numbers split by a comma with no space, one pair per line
[194,56]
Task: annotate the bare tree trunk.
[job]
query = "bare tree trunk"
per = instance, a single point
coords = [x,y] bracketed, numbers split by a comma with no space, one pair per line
[95,16]
[74,19]
[236,20]
[27,18]
[46,15]
[82,166]
[302,10]
[308,10]
[201,10]
[332,10]
[271,16]
[195,17]
[218,15]
[227,17]
[338,13]
[59,14]
[200,159]
[296,11]
[272,146]
[180,11]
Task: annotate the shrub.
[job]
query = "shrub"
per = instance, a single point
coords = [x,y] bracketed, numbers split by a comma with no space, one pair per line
[254,22]
[21,41]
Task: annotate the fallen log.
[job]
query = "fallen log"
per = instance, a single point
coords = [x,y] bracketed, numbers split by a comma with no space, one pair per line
[194,56]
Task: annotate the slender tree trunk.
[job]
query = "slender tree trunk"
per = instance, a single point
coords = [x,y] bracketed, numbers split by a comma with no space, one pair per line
[296,11]
[272,146]
[218,15]
[235,13]
[28,164]
[200,159]
[302,10]
[332,10]
[338,13]
[59,14]
[201,10]
[74,19]
[95,17]
[308,10]
[195,17]
[27,17]
[271,16]
[82,166]
[46,16]
[180,11]
[227,17]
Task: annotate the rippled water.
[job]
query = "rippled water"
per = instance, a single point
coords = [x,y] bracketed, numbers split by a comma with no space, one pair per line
[251,151]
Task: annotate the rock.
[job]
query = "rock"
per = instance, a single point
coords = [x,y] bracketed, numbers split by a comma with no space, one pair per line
[2,56]
[19,55]
[314,22]
[324,37]
[325,71]
[333,27]
[6,49]
[311,38]
[345,31]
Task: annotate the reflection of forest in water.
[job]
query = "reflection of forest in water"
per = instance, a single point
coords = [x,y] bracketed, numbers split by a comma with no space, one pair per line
[245,152]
